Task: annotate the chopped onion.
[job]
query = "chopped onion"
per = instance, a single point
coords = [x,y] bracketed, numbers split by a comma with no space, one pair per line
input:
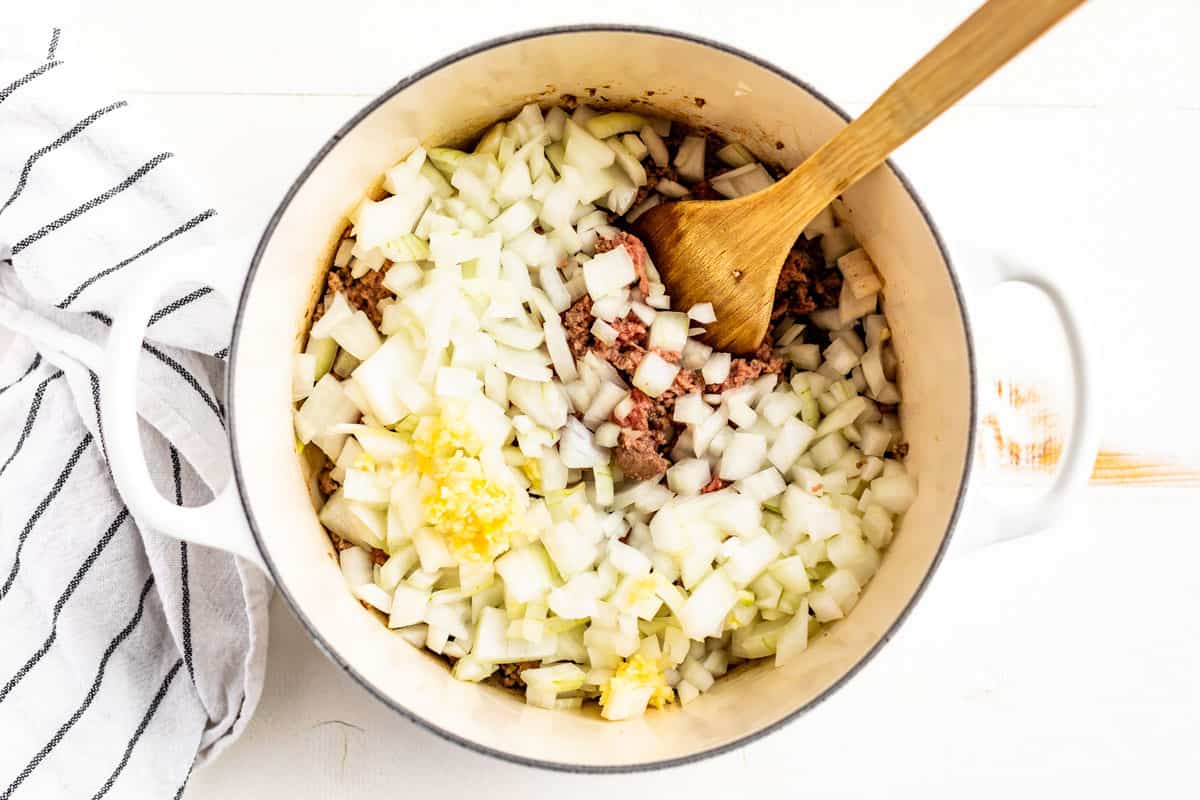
[702,313]
[689,159]
[634,145]
[656,146]
[859,273]
[689,476]
[560,350]
[695,354]
[717,368]
[669,331]
[670,188]
[604,332]
[603,126]
[654,374]
[735,154]
[576,447]
[742,457]
[608,273]
[606,399]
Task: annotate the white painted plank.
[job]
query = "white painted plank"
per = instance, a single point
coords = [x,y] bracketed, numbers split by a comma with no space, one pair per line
[1109,52]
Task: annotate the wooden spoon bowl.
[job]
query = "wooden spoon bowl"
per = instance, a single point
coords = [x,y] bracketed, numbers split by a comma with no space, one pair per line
[730,252]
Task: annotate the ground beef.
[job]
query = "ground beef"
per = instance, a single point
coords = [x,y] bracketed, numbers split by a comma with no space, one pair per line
[362,293]
[637,252]
[805,284]
[745,369]
[577,322]
[637,455]
[509,675]
[715,485]
[625,353]
[325,479]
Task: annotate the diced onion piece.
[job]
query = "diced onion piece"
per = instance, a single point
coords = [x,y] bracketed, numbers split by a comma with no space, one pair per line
[859,273]
[743,456]
[689,159]
[717,368]
[304,375]
[690,409]
[603,126]
[794,437]
[688,476]
[604,402]
[751,559]
[669,331]
[695,354]
[604,332]
[895,493]
[851,308]
[704,613]
[840,357]
[634,145]
[528,364]
[607,273]
[456,382]
[793,638]
[631,166]
[762,485]
[560,350]
[707,431]
[585,151]
[356,566]
[643,312]
[336,311]
[655,374]
[842,416]
[656,146]
[326,405]
[669,188]
[735,154]
[702,313]
[577,449]
[607,434]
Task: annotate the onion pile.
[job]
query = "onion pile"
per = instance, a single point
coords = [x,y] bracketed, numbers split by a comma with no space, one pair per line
[477,500]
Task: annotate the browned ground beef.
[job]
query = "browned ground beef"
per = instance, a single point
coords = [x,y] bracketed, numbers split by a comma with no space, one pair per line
[362,293]
[715,485]
[805,284]
[745,369]
[509,675]
[325,479]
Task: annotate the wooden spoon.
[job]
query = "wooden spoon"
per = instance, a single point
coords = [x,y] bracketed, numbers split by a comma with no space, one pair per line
[730,252]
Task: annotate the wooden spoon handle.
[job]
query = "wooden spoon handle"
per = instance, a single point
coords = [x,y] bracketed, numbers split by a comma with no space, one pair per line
[996,32]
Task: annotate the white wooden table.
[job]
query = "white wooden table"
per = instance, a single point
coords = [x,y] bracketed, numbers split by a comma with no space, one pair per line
[1062,663]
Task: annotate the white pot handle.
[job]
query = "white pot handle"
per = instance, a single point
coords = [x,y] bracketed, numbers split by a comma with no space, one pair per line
[220,523]
[1079,452]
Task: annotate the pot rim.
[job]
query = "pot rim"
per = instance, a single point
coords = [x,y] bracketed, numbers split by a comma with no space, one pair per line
[315,635]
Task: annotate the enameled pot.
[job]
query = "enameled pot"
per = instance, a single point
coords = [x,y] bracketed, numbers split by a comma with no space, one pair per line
[267,513]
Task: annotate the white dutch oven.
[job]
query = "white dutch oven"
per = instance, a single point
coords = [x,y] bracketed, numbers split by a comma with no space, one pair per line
[267,513]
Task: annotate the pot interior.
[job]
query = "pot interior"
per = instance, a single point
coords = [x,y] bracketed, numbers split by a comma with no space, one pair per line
[664,74]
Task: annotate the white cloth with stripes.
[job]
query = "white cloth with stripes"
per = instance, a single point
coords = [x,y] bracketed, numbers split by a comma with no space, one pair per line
[127,655]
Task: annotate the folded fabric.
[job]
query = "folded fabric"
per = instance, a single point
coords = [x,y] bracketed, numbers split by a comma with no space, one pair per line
[129,656]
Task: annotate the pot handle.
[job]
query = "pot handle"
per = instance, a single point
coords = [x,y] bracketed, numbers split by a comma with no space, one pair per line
[220,523]
[1079,452]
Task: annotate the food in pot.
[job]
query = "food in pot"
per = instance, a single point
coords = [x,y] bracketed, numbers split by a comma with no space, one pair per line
[537,469]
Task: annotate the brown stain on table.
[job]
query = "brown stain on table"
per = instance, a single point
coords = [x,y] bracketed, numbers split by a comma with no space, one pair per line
[1027,435]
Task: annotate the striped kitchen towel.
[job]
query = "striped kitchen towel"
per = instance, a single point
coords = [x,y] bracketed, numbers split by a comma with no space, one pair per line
[127,655]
